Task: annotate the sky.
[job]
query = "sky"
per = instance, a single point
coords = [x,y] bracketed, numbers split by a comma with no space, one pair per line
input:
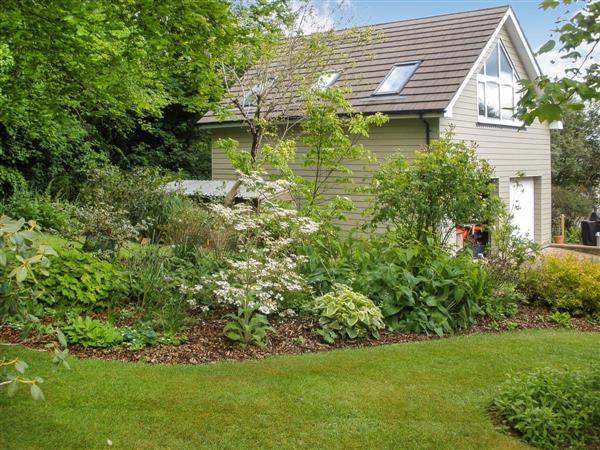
[537,24]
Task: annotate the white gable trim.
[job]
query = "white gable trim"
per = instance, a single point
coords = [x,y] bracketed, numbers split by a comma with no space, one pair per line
[522,46]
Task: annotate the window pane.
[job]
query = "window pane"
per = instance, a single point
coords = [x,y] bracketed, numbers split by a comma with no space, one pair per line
[396,79]
[481,98]
[492,98]
[491,65]
[506,71]
[508,114]
[507,102]
[507,97]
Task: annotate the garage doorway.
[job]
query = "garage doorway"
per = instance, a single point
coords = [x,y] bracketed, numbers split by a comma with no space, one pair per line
[522,206]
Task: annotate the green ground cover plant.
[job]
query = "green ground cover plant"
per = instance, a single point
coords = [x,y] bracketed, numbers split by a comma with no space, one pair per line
[551,408]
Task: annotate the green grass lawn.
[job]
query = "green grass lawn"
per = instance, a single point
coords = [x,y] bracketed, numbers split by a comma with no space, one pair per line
[422,395]
[58,242]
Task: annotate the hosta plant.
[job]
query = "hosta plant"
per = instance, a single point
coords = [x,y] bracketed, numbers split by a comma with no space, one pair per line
[419,287]
[91,333]
[347,314]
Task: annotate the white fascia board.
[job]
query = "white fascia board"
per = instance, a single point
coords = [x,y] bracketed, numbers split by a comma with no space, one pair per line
[523,48]
[414,116]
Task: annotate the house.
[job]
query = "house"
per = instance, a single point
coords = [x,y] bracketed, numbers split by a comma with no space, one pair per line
[428,74]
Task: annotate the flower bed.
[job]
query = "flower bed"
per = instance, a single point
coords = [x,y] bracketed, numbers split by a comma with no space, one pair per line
[206,343]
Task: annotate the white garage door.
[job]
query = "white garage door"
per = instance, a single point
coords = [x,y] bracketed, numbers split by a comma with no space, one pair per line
[522,206]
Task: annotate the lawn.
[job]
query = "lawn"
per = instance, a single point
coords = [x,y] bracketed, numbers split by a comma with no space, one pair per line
[420,395]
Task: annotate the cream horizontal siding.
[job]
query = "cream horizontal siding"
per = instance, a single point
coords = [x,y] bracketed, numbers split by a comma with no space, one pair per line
[509,150]
[398,136]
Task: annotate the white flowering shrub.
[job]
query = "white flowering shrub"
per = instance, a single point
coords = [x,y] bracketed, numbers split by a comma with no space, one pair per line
[266,267]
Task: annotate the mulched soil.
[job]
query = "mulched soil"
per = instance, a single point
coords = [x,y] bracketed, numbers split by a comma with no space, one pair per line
[290,336]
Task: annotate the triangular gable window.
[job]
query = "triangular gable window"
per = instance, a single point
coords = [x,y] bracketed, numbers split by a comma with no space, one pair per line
[497,88]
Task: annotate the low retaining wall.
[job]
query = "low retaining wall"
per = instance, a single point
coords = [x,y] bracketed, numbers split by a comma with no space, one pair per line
[579,251]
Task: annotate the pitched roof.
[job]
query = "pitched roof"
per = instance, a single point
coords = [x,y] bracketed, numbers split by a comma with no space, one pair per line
[447,46]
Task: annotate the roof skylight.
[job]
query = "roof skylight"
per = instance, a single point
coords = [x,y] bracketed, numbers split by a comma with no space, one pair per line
[326,79]
[251,96]
[396,79]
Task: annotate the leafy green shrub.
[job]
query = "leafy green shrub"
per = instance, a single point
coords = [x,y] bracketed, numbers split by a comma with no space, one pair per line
[247,327]
[509,253]
[188,229]
[574,235]
[347,314]
[567,284]
[502,300]
[11,181]
[156,283]
[29,205]
[552,409]
[22,259]
[572,201]
[419,287]
[79,279]
[427,289]
[138,194]
[562,319]
[91,333]
[106,229]
[418,198]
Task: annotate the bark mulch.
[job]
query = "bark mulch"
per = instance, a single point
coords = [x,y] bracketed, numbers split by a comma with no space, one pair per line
[206,343]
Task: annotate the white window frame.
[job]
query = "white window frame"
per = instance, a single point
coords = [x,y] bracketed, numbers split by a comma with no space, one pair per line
[514,86]
[414,64]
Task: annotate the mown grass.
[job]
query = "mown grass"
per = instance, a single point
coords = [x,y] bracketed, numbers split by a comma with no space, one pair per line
[58,243]
[428,395]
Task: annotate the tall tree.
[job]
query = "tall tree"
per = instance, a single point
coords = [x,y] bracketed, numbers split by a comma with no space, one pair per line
[576,150]
[578,42]
[78,78]
[272,91]
[576,164]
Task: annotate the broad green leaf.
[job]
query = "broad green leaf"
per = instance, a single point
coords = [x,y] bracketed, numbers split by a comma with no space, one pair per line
[36,392]
[21,366]
[12,388]
[548,46]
